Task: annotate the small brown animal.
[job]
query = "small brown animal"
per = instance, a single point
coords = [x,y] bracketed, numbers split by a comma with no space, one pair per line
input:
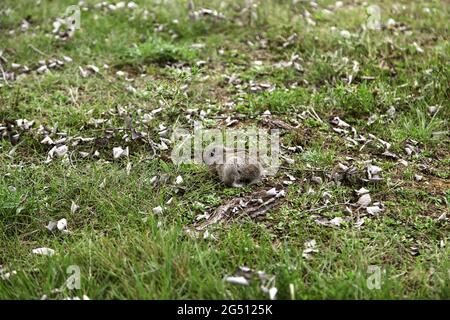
[235,172]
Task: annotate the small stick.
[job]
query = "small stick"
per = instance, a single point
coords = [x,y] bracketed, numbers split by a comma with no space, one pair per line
[299,169]
[73,97]
[38,51]
[3,74]
[315,115]
[325,207]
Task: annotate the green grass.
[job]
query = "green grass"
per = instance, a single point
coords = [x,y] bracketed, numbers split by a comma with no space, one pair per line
[125,251]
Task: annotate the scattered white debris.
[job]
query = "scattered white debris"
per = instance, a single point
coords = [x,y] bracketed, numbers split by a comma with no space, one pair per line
[61,224]
[336,221]
[281,193]
[432,110]
[373,210]
[163,146]
[128,168]
[51,226]
[24,124]
[391,111]
[119,152]
[418,48]
[338,4]
[340,123]
[343,167]
[121,73]
[84,297]
[272,292]
[74,207]
[56,151]
[93,68]
[158,210]
[43,251]
[373,173]
[61,150]
[237,280]
[197,45]
[47,140]
[359,222]
[132,5]
[345,34]
[390,23]
[316,180]
[274,193]
[179,180]
[372,119]
[326,196]
[362,191]
[245,269]
[42,69]
[6,275]
[310,247]
[364,200]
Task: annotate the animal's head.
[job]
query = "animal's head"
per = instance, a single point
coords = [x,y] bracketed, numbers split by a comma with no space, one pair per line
[213,155]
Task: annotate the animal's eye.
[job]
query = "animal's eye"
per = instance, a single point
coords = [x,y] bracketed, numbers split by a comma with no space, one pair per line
[212,154]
